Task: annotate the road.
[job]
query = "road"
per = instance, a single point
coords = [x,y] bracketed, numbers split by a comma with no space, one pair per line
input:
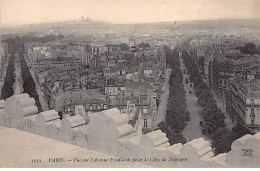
[18,84]
[163,99]
[193,130]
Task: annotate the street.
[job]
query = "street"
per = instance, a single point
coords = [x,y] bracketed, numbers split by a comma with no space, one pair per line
[18,84]
[164,99]
[193,130]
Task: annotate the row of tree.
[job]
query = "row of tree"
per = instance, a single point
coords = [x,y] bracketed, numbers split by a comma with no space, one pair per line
[126,47]
[143,45]
[249,48]
[29,85]
[16,46]
[213,117]
[7,89]
[43,39]
[176,113]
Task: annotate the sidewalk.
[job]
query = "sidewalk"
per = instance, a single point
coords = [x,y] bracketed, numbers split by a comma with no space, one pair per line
[164,99]
[18,84]
[222,106]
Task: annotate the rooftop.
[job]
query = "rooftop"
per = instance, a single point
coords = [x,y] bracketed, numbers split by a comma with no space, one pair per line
[243,60]
[250,88]
[80,97]
[60,59]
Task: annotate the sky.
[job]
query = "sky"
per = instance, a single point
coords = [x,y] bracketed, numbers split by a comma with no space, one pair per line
[20,12]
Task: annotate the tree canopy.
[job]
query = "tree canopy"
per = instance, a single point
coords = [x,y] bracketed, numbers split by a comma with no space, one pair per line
[144,45]
[249,48]
[213,117]
[124,46]
[176,113]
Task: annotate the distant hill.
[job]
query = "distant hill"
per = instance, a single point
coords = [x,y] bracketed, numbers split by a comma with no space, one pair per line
[93,26]
[222,24]
[208,24]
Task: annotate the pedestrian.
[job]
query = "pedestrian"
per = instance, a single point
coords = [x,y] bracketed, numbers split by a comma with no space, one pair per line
[190,139]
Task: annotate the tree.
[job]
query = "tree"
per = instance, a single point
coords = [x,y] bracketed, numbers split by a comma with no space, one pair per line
[7,89]
[144,45]
[124,46]
[222,141]
[204,97]
[157,102]
[29,85]
[238,131]
[173,138]
[202,87]
[250,48]
[176,114]
[177,138]
[163,127]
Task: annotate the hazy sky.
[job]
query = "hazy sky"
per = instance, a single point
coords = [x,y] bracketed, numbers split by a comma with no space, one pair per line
[16,12]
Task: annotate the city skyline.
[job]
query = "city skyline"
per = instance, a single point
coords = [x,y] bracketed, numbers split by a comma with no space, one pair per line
[15,13]
[127,83]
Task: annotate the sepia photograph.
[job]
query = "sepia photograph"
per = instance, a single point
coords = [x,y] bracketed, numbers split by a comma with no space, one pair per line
[130,84]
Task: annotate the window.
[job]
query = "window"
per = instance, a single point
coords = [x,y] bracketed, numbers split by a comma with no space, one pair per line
[252,101]
[252,116]
[145,123]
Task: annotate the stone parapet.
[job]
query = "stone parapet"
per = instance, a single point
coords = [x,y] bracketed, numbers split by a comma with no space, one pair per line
[109,132]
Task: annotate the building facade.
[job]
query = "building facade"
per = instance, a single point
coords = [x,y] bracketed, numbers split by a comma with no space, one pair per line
[60,62]
[222,69]
[243,102]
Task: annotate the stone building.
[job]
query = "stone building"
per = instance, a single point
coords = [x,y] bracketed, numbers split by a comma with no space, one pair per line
[80,102]
[222,69]
[60,62]
[243,102]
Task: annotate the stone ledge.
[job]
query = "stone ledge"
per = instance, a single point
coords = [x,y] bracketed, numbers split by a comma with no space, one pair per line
[109,132]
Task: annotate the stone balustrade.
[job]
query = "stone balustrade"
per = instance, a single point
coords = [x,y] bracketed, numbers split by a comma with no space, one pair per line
[245,152]
[2,119]
[73,130]
[2,104]
[108,131]
[45,121]
[17,109]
